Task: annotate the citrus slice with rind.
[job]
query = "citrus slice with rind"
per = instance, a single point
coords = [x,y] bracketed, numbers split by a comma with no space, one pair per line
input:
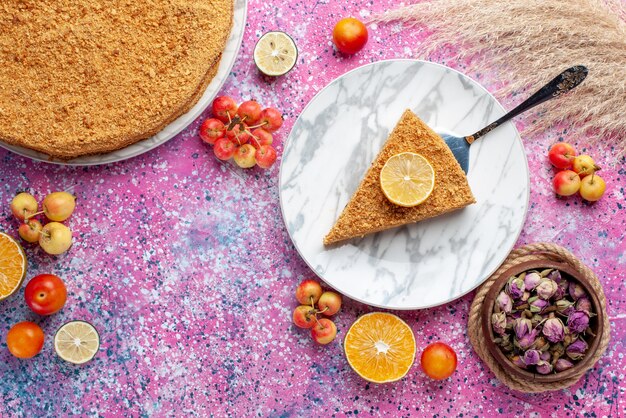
[380,347]
[275,53]
[12,266]
[77,342]
[407,179]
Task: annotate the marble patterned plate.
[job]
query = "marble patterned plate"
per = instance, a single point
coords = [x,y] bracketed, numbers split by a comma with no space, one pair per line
[332,145]
[226,64]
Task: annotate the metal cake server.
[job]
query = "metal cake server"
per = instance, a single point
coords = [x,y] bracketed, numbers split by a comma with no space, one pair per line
[563,83]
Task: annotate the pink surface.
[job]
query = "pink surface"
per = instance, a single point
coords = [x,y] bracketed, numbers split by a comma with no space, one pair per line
[184,266]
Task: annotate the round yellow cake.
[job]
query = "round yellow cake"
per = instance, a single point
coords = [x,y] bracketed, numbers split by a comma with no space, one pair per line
[80,77]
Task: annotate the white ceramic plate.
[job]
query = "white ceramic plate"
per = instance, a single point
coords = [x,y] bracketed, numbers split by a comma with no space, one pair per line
[226,64]
[331,146]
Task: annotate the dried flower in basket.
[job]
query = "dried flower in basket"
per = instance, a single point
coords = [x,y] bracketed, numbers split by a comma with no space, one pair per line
[541,320]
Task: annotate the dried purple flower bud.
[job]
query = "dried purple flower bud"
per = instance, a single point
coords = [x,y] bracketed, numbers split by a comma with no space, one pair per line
[563,364]
[584,304]
[554,330]
[569,338]
[555,275]
[528,340]
[498,323]
[546,289]
[515,288]
[544,273]
[504,303]
[531,281]
[522,327]
[577,349]
[546,356]
[507,347]
[510,322]
[532,357]
[560,292]
[519,305]
[576,291]
[504,342]
[557,350]
[536,319]
[578,321]
[564,306]
[518,361]
[538,305]
[540,343]
[544,367]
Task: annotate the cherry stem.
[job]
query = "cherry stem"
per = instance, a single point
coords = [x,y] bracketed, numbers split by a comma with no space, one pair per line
[318,322]
[253,137]
[237,138]
[27,218]
[40,230]
[258,126]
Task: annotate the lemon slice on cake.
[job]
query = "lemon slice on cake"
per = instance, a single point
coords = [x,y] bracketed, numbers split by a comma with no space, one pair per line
[275,53]
[407,179]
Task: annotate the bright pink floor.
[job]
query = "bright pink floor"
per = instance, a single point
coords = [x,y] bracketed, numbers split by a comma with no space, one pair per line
[186,269]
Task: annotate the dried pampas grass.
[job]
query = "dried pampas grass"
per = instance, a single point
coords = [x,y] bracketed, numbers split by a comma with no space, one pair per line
[527,42]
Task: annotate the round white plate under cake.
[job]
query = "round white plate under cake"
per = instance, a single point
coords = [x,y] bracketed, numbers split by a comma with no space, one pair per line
[226,64]
[332,145]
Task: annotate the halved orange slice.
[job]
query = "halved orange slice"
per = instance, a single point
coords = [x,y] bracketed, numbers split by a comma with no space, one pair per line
[380,347]
[12,266]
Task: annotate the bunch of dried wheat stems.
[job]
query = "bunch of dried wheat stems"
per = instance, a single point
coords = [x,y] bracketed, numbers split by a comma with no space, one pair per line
[528,42]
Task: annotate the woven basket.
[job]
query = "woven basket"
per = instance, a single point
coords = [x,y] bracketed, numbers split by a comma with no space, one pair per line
[536,252]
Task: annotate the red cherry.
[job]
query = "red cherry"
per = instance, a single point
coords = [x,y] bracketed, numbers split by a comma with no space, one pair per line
[350,35]
[224,149]
[211,130]
[561,155]
[271,119]
[308,292]
[45,294]
[261,137]
[438,361]
[223,107]
[304,316]
[266,156]
[324,331]
[249,112]
[238,135]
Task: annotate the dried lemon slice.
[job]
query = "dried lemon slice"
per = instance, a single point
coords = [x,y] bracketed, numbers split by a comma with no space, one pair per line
[407,179]
[77,342]
[380,347]
[12,266]
[275,53]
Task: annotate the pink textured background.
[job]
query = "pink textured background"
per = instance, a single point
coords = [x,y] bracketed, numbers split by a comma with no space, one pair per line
[184,266]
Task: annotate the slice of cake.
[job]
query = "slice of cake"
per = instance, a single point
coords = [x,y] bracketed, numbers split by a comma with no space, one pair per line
[370,211]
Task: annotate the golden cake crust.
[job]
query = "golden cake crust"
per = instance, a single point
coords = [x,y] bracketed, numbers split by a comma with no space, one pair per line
[369,211]
[79,78]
